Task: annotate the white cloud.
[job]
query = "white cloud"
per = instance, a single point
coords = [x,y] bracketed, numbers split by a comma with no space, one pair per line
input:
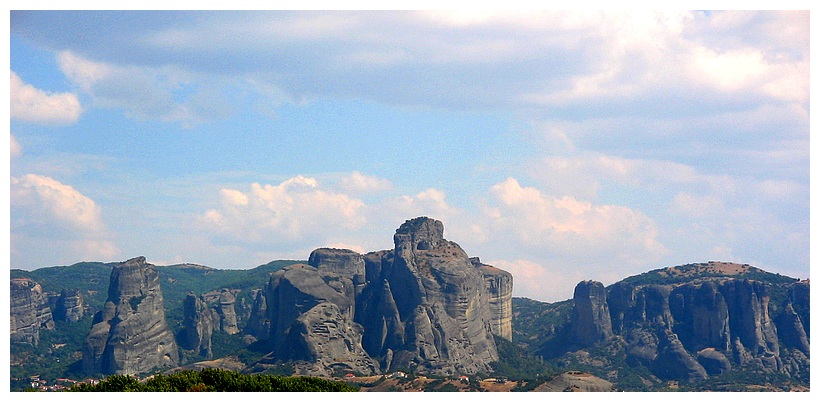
[50,199]
[584,61]
[164,93]
[544,225]
[15,148]
[360,183]
[296,211]
[33,105]
[52,219]
[535,281]
[431,203]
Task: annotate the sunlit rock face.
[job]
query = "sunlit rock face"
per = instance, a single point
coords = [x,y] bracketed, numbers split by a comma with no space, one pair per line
[30,311]
[423,306]
[689,329]
[499,285]
[130,334]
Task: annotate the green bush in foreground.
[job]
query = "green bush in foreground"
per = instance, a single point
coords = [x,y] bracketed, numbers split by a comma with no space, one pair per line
[215,380]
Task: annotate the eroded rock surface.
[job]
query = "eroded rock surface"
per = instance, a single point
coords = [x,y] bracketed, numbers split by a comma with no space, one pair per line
[30,311]
[197,326]
[130,334]
[69,306]
[691,329]
[422,306]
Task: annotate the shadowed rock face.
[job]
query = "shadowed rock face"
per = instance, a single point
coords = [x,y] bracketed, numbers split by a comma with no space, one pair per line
[197,326]
[69,306]
[130,335]
[258,323]
[591,322]
[423,305]
[30,311]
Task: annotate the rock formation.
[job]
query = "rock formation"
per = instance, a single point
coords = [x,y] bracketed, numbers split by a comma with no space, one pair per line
[69,307]
[130,335]
[30,311]
[591,322]
[227,313]
[499,284]
[197,326]
[690,329]
[423,306]
[258,323]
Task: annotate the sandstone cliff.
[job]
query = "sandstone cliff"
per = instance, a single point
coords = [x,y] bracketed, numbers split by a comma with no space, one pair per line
[423,306]
[30,311]
[130,335]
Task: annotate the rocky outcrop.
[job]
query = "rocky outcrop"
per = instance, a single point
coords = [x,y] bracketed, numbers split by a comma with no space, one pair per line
[591,322]
[324,341]
[311,309]
[423,306]
[226,312]
[673,362]
[690,329]
[30,311]
[69,306]
[197,326]
[258,323]
[499,284]
[130,335]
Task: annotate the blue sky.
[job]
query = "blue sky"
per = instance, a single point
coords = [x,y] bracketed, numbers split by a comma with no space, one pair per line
[560,146]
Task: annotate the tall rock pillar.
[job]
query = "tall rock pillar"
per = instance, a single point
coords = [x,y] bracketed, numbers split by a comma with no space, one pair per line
[130,335]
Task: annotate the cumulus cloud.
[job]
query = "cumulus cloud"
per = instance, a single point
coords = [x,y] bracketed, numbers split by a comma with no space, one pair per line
[551,226]
[32,105]
[295,211]
[54,219]
[358,182]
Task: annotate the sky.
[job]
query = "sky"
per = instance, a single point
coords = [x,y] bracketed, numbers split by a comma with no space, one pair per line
[560,146]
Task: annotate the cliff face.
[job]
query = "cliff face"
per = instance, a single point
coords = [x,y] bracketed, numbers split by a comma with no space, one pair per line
[197,326]
[226,312]
[499,285]
[30,311]
[423,305]
[130,334]
[693,329]
[70,306]
[591,322]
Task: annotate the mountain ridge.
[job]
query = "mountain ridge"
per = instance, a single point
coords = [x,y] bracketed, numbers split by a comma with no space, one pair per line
[695,323]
